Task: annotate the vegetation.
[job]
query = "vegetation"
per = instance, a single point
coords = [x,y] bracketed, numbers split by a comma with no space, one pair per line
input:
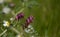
[46,17]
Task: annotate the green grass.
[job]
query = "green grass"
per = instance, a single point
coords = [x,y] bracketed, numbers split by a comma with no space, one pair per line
[46,18]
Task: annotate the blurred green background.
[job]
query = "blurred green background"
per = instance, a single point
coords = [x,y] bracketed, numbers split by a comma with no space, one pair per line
[45,12]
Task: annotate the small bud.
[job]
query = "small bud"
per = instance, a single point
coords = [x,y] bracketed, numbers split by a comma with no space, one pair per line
[12,5]
[11,19]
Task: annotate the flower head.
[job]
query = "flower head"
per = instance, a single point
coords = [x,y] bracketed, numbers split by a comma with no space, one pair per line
[19,16]
[6,10]
[6,23]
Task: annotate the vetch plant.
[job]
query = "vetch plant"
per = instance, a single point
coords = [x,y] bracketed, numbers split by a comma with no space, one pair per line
[8,24]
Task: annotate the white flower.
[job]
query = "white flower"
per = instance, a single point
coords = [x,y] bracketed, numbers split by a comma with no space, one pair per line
[32,36]
[30,29]
[11,19]
[18,35]
[6,23]
[29,26]
[26,30]
[6,10]
[1,1]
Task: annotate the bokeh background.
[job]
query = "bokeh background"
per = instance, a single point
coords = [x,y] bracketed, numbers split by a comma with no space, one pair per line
[46,17]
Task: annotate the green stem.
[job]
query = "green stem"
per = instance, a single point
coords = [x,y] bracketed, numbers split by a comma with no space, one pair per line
[3,32]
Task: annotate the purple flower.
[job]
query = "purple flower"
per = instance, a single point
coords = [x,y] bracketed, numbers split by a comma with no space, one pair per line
[29,20]
[20,15]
